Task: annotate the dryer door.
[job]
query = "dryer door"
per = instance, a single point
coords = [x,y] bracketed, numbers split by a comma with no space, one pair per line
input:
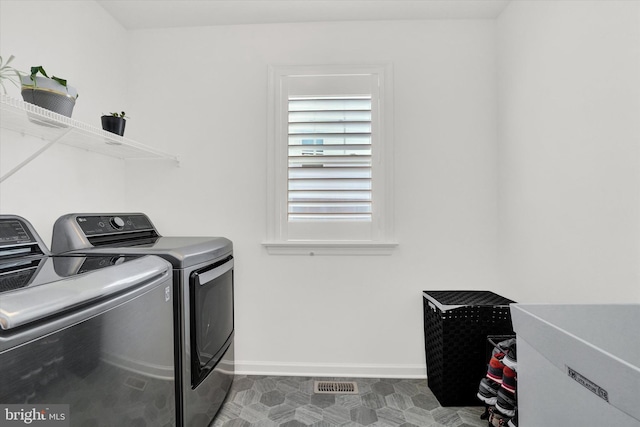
[211,308]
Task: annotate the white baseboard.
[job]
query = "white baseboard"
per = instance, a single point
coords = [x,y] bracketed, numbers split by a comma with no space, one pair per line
[243,367]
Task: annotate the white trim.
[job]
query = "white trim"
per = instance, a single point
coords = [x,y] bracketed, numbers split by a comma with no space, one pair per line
[330,248]
[359,370]
[380,233]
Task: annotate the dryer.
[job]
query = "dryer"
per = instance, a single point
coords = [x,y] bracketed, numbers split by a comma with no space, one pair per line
[86,338]
[203,280]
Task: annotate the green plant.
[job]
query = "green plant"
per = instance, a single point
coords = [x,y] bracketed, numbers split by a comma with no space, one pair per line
[8,73]
[120,114]
[38,69]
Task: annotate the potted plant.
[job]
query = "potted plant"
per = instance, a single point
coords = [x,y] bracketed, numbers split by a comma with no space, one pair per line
[114,122]
[51,93]
[8,74]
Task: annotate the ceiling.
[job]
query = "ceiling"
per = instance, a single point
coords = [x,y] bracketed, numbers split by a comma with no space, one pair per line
[144,14]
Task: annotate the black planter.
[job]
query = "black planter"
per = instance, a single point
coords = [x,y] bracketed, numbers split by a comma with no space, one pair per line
[114,124]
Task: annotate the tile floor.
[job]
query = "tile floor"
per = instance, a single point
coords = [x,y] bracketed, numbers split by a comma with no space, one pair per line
[265,401]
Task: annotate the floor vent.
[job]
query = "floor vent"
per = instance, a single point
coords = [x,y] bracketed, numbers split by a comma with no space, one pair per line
[335,387]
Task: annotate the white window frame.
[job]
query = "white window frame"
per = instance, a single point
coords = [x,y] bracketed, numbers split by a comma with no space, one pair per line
[380,239]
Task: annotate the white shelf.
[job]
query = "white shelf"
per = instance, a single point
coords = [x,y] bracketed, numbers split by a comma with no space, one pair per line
[29,119]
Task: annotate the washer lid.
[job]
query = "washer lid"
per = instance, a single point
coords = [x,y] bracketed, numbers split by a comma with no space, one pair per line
[52,293]
[180,251]
[132,234]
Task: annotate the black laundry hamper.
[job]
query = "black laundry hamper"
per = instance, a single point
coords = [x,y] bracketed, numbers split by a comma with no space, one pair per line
[456,326]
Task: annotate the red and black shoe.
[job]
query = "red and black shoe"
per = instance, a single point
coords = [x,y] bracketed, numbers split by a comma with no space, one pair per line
[495,368]
[488,391]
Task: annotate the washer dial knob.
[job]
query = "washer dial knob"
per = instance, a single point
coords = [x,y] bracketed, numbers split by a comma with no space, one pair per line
[117,223]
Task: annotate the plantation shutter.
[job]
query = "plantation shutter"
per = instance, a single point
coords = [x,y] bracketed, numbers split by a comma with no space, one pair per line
[329,158]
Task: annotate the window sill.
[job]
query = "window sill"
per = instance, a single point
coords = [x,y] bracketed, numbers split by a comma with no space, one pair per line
[330,248]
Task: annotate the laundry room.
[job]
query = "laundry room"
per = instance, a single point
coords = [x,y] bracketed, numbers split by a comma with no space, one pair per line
[504,147]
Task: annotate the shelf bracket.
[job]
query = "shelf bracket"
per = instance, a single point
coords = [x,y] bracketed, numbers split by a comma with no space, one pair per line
[32,157]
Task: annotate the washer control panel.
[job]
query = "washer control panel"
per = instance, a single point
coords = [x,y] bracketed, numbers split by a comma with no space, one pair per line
[117,223]
[92,225]
[14,232]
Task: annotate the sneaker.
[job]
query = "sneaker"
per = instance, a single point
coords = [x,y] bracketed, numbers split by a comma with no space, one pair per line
[488,391]
[513,422]
[509,379]
[506,402]
[496,418]
[503,346]
[510,357]
[485,414]
[495,368]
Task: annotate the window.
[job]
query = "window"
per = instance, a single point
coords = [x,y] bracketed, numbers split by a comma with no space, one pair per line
[330,160]
[331,183]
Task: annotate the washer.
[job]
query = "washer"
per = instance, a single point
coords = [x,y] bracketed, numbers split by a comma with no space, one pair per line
[203,280]
[74,332]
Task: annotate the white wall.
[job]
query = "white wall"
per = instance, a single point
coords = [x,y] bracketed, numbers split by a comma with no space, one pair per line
[78,41]
[569,132]
[566,168]
[202,93]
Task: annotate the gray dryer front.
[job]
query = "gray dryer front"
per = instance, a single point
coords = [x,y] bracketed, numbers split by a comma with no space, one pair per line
[203,306]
